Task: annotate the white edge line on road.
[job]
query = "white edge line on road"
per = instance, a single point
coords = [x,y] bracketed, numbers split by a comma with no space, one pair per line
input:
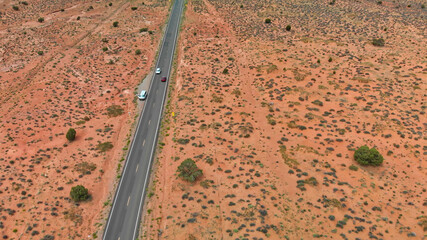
[133,141]
[128,201]
[137,166]
[143,143]
[158,122]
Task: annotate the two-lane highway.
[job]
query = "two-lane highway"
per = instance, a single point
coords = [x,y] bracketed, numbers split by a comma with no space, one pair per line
[123,221]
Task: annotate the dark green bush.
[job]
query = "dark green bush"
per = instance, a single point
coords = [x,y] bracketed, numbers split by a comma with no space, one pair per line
[40,20]
[288,28]
[267,20]
[115,24]
[143,30]
[71,134]
[138,52]
[189,171]
[366,156]
[79,193]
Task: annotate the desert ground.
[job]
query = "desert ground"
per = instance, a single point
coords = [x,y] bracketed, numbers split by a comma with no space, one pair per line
[272,115]
[63,64]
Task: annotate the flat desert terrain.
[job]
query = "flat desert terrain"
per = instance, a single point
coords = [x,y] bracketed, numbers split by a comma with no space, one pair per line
[271,99]
[67,64]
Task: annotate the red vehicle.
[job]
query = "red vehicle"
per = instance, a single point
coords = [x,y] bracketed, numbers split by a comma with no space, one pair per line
[163,79]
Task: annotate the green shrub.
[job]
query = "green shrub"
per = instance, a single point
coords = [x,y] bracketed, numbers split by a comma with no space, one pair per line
[379,42]
[79,193]
[353,167]
[40,53]
[288,28]
[16,8]
[143,30]
[189,171]
[267,20]
[225,71]
[105,49]
[134,8]
[40,20]
[71,134]
[366,156]
[115,24]
[138,52]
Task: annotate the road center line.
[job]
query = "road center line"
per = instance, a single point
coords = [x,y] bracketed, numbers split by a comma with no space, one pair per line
[137,166]
[143,143]
[149,121]
[128,201]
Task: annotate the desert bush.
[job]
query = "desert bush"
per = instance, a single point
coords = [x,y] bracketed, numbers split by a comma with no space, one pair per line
[134,8]
[40,20]
[143,30]
[85,167]
[366,156]
[40,53]
[71,134]
[105,49]
[330,59]
[79,193]
[189,171]
[379,42]
[16,8]
[114,111]
[216,99]
[115,24]
[103,147]
[138,52]
[288,28]
[225,71]
[267,20]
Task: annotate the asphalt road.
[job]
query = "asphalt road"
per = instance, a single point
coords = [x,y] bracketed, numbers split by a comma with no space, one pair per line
[123,221]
